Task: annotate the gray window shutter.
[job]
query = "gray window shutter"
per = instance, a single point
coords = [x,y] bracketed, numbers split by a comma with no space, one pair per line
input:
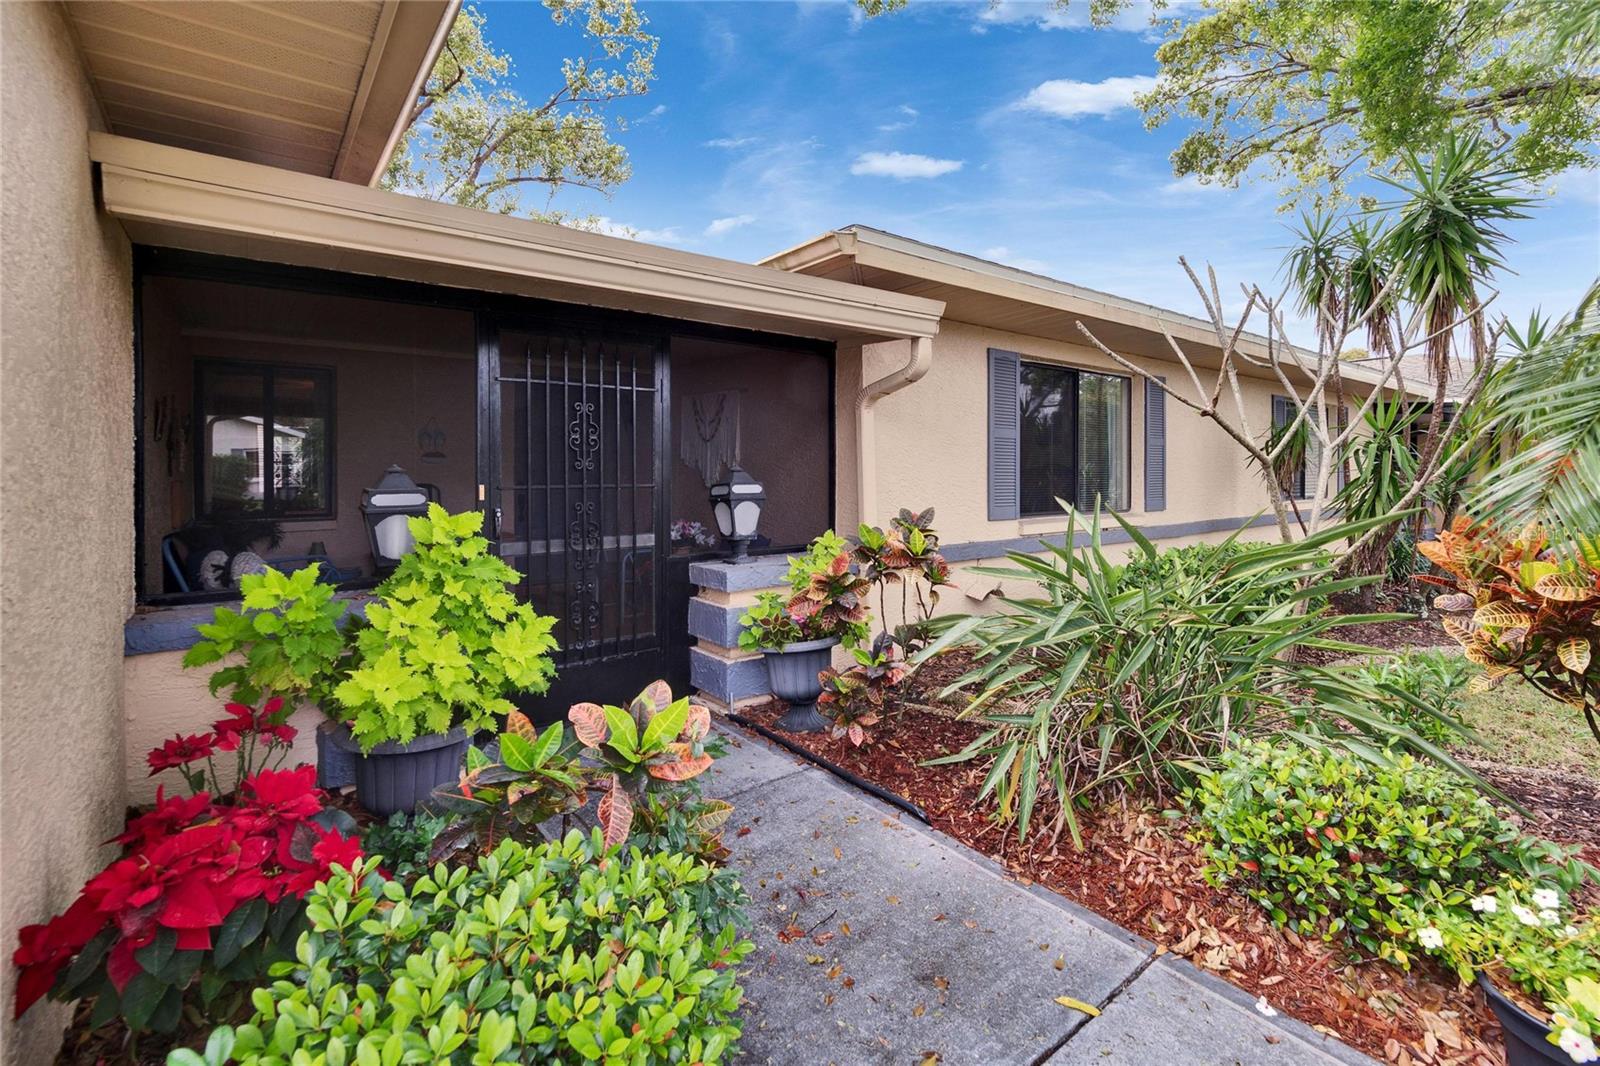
[1282,414]
[1005,435]
[1155,447]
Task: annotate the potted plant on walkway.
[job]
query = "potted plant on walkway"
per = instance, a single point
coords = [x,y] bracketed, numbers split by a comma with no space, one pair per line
[284,641]
[826,606]
[441,647]
[1537,965]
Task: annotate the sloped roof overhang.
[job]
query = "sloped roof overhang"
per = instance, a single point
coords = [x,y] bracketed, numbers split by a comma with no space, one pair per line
[172,197]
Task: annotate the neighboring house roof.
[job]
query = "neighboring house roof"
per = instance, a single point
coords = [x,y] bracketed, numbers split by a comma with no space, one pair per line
[174,198]
[322,89]
[992,294]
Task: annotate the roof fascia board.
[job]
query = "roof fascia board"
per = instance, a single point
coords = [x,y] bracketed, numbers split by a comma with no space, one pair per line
[177,189]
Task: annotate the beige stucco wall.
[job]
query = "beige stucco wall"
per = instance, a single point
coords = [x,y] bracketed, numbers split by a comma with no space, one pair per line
[66,500]
[933,439]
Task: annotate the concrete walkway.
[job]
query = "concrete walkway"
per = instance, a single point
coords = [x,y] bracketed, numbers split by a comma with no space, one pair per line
[879,940]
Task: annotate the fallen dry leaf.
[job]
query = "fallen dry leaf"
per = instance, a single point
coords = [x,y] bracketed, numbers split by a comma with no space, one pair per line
[1079,1005]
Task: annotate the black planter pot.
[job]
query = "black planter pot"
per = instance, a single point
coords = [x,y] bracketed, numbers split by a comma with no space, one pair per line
[397,777]
[336,764]
[1525,1035]
[792,674]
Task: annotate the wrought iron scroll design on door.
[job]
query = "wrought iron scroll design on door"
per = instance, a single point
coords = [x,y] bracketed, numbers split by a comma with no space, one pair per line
[578,479]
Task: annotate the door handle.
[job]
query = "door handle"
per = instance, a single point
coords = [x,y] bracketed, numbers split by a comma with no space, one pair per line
[497,523]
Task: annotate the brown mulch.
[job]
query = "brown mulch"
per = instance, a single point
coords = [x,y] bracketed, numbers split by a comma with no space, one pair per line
[1138,870]
[1565,806]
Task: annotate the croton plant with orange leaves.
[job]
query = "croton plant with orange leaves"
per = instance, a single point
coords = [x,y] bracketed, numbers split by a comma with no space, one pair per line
[653,743]
[1518,607]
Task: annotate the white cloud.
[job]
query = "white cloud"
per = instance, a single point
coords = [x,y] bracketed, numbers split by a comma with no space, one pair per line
[1575,183]
[910,114]
[729,142]
[612,228]
[902,165]
[719,226]
[1065,98]
[1189,185]
[1002,254]
[1073,15]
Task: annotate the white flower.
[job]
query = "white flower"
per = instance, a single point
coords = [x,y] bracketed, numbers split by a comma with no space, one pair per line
[1546,899]
[1570,930]
[1430,938]
[1550,917]
[1524,915]
[1267,1010]
[1486,904]
[1578,1047]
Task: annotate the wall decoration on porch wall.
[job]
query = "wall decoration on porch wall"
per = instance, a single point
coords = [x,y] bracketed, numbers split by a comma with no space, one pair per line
[710,435]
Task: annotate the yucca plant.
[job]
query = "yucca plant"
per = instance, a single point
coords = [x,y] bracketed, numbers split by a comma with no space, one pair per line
[1102,682]
[1385,468]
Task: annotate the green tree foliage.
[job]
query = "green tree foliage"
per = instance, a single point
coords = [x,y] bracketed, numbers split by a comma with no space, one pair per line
[1312,92]
[473,140]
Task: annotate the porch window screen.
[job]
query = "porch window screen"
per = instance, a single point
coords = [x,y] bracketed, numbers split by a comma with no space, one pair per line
[266,440]
[1071,438]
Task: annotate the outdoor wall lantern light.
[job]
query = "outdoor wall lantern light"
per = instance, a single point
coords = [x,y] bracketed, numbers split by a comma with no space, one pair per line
[387,506]
[737,506]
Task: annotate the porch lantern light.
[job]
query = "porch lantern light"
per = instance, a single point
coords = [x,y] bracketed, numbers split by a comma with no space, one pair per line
[387,506]
[737,506]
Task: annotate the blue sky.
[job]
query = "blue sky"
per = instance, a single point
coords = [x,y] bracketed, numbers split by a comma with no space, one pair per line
[999,130]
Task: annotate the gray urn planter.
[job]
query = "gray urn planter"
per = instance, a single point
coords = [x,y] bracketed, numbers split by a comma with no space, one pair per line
[336,765]
[398,777]
[792,673]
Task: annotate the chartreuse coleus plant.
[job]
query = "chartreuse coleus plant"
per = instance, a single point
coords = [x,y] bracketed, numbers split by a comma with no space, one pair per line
[1517,607]
[826,599]
[532,955]
[508,788]
[1527,941]
[445,641]
[283,641]
[655,742]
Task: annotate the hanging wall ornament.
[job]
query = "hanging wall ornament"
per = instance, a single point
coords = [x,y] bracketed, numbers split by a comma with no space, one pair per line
[710,434]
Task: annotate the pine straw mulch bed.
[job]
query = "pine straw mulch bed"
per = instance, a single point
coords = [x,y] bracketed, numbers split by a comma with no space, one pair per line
[1139,871]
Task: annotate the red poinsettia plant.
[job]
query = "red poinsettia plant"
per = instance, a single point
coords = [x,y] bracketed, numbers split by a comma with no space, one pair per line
[206,894]
[258,740]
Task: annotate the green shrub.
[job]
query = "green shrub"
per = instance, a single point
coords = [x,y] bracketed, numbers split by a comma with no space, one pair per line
[1202,561]
[1328,843]
[534,955]
[1107,679]
[446,640]
[404,842]
[825,599]
[1428,686]
[283,641]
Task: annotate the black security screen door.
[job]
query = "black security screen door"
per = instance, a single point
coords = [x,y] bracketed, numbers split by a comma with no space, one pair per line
[576,491]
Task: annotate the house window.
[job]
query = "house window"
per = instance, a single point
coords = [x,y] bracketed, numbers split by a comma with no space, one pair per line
[266,440]
[1074,438]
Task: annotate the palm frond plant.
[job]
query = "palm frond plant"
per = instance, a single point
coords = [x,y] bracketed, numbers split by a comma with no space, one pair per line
[1544,405]
[1367,271]
[1289,445]
[1103,682]
[1446,235]
[1316,271]
[1384,467]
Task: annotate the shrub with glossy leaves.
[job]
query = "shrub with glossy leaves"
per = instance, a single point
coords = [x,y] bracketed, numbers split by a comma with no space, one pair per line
[1327,843]
[826,599]
[534,955]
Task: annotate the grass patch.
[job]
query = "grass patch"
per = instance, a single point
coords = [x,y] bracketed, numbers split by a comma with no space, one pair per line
[1523,727]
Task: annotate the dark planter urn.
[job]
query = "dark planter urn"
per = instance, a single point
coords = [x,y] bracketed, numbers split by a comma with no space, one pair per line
[398,777]
[1525,1035]
[792,674]
[336,764]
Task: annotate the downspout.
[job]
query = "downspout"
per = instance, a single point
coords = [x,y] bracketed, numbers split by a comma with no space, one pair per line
[866,434]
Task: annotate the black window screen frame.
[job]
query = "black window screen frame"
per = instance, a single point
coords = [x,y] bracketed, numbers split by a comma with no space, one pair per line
[206,369]
[1066,472]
